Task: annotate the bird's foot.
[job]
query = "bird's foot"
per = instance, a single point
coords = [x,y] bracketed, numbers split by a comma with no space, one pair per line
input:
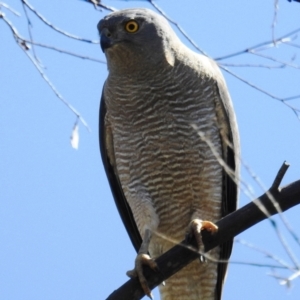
[143,259]
[195,228]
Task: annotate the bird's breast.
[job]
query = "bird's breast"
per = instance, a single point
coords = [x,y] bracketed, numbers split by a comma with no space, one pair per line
[159,153]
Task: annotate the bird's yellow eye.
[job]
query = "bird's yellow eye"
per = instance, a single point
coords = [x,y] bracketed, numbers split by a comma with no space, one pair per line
[131,26]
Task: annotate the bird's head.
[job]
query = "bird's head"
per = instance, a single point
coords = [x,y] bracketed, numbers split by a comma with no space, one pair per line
[136,38]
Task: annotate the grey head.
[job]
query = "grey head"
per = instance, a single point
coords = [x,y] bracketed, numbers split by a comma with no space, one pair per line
[134,39]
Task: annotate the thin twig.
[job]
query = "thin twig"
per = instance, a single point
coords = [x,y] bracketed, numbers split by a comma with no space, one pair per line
[282,265]
[289,279]
[282,39]
[98,3]
[274,23]
[283,100]
[292,98]
[285,245]
[29,25]
[10,9]
[290,230]
[254,264]
[279,176]
[58,95]
[45,21]
[178,26]
[10,25]
[282,66]
[274,187]
[50,84]
[65,52]
[263,188]
[275,59]
[267,254]
[293,45]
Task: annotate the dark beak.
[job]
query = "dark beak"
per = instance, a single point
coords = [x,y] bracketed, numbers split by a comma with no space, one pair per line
[105,40]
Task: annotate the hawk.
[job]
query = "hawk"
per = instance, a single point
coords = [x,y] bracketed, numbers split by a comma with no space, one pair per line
[169,144]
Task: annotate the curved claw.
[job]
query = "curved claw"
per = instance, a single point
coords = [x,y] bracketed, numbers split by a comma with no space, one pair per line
[195,228]
[143,259]
[131,273]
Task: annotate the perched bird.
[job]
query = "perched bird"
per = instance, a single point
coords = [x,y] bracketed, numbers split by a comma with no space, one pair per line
[169,144]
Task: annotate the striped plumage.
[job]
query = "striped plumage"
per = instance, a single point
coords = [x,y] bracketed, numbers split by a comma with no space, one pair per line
[163,109]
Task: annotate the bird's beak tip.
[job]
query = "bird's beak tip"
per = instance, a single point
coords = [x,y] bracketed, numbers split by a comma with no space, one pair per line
[105,41]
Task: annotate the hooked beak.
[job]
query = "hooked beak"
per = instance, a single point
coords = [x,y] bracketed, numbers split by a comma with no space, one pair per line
[105,39]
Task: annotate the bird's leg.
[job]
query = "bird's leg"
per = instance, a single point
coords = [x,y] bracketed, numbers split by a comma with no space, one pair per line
[143,258]
[194,229]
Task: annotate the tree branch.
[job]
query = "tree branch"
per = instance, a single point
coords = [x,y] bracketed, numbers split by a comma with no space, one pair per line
[182,254]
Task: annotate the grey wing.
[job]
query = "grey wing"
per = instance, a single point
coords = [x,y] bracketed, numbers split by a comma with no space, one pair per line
[230,191]
[113,179]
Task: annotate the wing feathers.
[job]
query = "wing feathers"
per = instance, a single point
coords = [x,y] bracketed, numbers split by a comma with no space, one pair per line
[115,185]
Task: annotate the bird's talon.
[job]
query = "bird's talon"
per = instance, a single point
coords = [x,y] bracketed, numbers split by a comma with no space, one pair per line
[131,273]
[143,259]
[195,228]
[209,226]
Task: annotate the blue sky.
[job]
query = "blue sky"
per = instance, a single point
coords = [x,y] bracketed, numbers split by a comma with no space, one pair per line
[60,233]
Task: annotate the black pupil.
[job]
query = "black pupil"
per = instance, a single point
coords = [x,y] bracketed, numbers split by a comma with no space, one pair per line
[131,26]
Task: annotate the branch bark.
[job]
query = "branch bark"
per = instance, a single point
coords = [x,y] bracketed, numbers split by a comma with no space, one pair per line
[233,224]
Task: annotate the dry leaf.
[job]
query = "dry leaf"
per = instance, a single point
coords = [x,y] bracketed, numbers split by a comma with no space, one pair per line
[75,137]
